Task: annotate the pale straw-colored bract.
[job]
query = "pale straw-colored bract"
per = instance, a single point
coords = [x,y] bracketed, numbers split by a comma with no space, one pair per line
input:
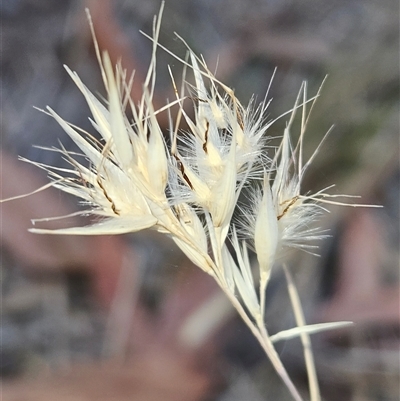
[131,180]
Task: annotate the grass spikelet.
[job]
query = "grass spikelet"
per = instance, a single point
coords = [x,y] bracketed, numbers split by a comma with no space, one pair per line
[190,190]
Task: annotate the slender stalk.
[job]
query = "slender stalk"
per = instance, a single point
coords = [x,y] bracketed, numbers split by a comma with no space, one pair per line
[263,287]
[304,336]
[259,331]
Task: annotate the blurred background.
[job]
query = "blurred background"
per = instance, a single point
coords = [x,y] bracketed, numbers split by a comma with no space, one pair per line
[127,317]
